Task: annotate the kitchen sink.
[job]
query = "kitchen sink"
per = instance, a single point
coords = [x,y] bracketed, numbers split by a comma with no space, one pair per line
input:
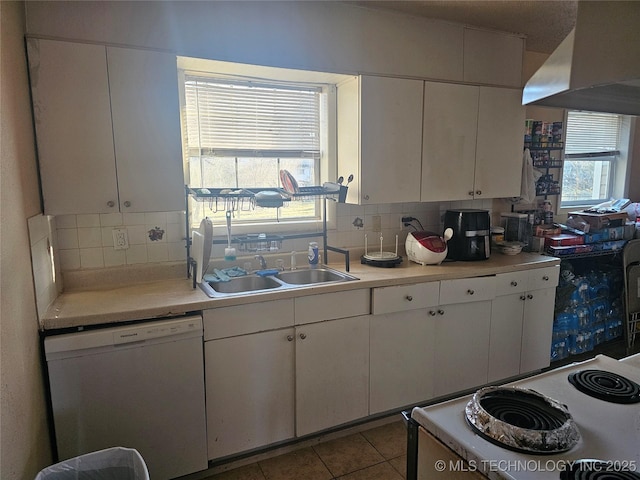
[283,280]
[250,283]
[313,276]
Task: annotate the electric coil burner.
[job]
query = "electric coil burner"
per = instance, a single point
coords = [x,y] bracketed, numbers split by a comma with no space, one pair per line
[597,470]
[521,420]
[606,386]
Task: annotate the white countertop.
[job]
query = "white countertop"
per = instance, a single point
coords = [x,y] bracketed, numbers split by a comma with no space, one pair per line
[102,301]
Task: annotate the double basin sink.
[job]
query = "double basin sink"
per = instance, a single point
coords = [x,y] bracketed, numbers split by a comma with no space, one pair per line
[254,283]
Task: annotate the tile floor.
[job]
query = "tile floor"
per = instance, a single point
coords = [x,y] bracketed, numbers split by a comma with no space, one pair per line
[375,454]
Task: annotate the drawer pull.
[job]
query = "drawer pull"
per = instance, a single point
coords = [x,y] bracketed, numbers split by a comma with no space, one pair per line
[440,312]
[303,336]
[545,278]
[409,298]
[529,296]
[470,292]
[289,338]
[514,283]
[432,313]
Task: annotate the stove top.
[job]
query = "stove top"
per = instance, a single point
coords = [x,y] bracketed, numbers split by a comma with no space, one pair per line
[589,469]
[609,431]
[521,420]
[607,386]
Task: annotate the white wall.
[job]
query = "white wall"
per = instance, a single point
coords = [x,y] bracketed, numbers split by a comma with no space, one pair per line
[24,435]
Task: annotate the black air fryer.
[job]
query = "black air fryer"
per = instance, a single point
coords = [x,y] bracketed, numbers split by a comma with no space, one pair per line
[471,234]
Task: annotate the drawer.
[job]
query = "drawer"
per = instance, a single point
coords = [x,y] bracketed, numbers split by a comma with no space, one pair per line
[404,297]
[512,282]
[329,306]
[547,277]
[243,319]
[467,290]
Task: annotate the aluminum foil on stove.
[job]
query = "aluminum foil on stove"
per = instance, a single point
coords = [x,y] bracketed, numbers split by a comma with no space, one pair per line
[522,420]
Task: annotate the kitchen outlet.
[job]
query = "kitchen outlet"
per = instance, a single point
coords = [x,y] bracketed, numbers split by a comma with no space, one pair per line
[120,239]
[376,223]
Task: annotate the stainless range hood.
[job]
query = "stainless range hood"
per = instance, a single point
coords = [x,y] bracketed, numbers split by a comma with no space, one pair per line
[597,67]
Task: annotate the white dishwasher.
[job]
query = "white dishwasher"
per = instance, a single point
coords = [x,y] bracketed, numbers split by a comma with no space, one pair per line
[139,386]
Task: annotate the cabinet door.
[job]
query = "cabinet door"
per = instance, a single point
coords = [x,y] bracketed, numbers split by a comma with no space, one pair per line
[461,346]
[506,336]
[390,139]
[332,373]
[72,116]
[146,129]
[401,359]
[537,330]
[250,391]
[498,171]
[449,136]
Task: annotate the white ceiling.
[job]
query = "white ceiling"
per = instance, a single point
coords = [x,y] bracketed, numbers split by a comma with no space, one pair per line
[545,23]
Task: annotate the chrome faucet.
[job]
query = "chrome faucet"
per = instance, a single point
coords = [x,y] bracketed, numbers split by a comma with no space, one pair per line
[263,262]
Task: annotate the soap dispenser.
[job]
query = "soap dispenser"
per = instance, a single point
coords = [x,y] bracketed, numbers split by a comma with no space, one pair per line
[313,255]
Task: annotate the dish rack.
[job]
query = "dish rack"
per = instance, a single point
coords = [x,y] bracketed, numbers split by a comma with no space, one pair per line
[246,199]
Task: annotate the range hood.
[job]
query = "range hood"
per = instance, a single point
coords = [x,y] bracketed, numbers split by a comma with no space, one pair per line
[597,67]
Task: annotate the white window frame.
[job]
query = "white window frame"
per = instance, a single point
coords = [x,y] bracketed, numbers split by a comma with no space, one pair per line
[619,175]
[328,160]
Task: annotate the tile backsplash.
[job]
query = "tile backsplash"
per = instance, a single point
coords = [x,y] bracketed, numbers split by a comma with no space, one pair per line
[87,241]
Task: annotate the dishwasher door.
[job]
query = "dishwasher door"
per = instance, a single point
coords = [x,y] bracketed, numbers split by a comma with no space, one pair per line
[139,386]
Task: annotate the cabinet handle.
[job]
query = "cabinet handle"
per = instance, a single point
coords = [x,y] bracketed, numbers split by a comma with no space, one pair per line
[366,197]
[478,192]
[529,296]
[111,204]
[470,292]
[523,298]
[127,204]
[440,312]
[545,278]
[409,297]
[514,283]
[432,313]
[471,193]
[289,338]
[303,336]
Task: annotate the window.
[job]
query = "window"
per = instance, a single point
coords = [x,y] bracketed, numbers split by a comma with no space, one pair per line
[591,149]
[241,134]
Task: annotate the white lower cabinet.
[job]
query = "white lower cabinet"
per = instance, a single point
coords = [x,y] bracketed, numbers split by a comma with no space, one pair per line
[461,351]
[402,347]
[250,391]
[249,376]
[522,322]
[332,373]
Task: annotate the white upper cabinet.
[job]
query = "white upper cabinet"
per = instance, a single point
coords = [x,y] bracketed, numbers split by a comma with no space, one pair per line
[380,138]
[499,145]
[146,129]
[492,58]
[107,128]
[472,142]
[449,149]
[72,114]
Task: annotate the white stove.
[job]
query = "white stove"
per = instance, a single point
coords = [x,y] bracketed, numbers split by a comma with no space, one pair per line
[608,431]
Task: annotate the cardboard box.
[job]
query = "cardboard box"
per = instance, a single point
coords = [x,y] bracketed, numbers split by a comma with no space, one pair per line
[547,230]
[564,239]
[569,250]
[598,221]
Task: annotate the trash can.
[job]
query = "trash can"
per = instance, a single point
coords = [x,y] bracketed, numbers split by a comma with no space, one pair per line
[115,463]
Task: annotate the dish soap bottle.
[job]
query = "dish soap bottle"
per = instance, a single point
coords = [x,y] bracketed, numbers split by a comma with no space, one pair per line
[313,255]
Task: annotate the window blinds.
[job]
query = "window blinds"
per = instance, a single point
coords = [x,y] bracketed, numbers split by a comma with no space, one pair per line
[231,118]
[590,132]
